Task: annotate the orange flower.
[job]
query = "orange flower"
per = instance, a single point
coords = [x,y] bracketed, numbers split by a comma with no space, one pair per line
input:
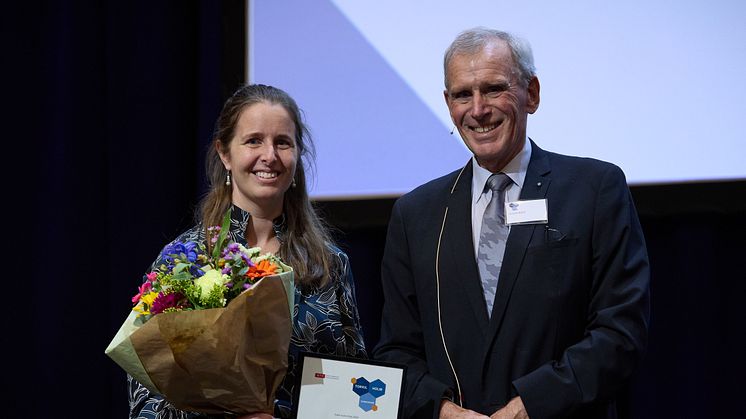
[262,269]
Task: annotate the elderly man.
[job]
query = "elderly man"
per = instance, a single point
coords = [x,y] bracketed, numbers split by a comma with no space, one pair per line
[518,285]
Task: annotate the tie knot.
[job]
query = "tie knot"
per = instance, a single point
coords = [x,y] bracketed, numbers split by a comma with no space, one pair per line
[498,182]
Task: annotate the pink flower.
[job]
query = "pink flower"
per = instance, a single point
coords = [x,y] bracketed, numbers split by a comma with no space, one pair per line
[144,289]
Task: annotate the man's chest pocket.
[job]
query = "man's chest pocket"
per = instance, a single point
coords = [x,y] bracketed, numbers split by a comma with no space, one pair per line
[547,268]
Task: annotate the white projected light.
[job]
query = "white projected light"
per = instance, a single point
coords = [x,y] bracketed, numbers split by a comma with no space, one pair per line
[654,87]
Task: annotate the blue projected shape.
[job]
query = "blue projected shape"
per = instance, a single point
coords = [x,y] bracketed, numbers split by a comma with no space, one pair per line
[374,135]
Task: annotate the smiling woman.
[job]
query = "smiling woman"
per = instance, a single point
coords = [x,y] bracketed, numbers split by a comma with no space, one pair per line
[261,157]
[256,169]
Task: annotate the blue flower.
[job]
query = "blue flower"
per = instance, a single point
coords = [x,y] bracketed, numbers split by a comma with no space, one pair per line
[188,250]
[196,271]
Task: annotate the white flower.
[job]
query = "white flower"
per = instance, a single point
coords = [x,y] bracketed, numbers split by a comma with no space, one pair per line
[251,253]
[207,282]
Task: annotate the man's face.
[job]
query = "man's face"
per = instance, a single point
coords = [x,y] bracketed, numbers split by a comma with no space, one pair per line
[489,105]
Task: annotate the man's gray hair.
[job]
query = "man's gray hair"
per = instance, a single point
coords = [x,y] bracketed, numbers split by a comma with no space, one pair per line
[472,41]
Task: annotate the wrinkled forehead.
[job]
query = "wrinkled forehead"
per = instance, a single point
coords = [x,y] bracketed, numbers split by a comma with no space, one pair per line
[494,54]
[487,64]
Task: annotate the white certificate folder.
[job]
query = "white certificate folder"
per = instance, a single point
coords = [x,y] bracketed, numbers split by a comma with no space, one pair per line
[337,388]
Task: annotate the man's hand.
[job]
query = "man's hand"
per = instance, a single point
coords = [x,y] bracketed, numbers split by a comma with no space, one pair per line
[513,410]
[449,409]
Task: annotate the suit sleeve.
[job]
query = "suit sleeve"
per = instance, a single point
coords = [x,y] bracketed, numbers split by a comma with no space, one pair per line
[401,328]
[617,315]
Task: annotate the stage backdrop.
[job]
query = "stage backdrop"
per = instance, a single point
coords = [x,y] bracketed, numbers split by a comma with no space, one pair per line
[109,107]
[655,87]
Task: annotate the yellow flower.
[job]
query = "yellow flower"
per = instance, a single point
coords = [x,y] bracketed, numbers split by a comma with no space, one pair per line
[146,301]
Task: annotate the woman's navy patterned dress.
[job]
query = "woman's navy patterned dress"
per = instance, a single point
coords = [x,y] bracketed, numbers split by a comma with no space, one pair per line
[325,321]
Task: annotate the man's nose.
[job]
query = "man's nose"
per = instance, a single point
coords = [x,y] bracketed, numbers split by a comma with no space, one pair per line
[478,106]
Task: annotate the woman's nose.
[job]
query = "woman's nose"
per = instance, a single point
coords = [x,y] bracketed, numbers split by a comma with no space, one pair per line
[269,153]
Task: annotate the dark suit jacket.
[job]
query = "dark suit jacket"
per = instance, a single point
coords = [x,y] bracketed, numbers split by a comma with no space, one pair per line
[570,318]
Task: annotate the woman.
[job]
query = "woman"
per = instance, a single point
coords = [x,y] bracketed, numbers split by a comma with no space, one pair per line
[256,169]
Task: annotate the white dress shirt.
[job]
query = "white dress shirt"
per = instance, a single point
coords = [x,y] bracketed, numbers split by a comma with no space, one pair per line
[480,198]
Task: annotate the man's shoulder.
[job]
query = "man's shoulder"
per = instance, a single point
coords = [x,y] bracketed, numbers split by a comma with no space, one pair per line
[587,168]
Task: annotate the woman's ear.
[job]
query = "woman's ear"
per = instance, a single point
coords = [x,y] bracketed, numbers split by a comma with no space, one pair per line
[224,157]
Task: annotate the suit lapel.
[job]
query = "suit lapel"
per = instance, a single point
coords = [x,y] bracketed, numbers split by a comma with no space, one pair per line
[457,261]
[535,186]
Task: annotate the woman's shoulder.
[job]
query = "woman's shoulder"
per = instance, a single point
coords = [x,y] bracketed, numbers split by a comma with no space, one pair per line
[336,252]
[340,263]
[194,234]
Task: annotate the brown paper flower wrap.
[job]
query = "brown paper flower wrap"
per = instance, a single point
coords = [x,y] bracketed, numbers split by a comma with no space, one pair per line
[218,360]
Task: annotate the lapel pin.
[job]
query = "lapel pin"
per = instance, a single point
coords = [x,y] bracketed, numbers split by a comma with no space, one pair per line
[538,184]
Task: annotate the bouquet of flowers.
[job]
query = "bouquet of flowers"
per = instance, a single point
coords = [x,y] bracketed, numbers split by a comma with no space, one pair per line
[210,327]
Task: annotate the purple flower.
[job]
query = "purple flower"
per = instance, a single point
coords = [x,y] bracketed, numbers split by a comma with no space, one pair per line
[230,250]
[247,260]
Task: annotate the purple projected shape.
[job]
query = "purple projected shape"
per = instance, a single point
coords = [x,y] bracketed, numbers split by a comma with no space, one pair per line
[374,135]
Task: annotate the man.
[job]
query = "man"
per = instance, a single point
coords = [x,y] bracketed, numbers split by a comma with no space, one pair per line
[542,314]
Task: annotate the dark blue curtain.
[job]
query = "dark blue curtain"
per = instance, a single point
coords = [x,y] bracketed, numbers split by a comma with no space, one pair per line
[109,106]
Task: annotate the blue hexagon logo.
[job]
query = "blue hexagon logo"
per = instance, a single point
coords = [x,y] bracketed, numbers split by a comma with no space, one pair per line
[360,386]
[367,402]
[368,392]
[377,388]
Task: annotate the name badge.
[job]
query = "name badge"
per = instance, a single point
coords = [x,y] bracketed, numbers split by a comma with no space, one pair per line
[532,211]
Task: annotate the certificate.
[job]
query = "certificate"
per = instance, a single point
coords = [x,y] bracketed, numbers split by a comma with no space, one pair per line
[336,388]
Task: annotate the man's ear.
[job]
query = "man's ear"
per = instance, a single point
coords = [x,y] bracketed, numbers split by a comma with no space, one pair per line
[532,102]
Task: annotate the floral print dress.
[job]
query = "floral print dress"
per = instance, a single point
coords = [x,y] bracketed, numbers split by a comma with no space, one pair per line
[325,320]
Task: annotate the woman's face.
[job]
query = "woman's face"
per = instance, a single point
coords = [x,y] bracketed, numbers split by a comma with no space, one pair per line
[262,156]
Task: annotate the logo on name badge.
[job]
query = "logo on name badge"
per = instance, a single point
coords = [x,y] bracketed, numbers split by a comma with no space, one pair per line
[530,211]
